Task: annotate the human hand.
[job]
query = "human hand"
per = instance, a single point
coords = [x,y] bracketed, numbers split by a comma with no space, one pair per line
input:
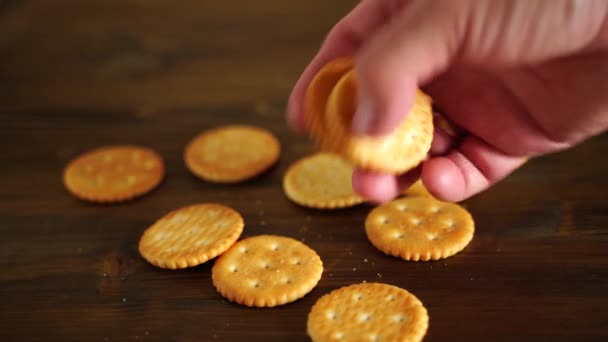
[521,78]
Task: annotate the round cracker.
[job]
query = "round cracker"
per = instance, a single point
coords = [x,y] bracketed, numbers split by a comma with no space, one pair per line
[419,228]
[191,235]
[266,271]
[231,154]
[322,181]
[368,312]
[417,189]
[114,173]
[331,103]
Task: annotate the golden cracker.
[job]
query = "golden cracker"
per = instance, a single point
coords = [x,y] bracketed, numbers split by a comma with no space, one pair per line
[191,235]
[368,312]
[322,181]
[419,228]
[417,189]
[231,154]
[399,151]
[330,104]
[266,271]
[114,173]
[316,98]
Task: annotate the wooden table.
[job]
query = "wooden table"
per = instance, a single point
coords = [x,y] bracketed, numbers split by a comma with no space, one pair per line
[75,75]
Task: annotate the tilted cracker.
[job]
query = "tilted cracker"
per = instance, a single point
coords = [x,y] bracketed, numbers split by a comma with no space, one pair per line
[322,181]
[419,228]
[330,114]
[191,235]
[368,312]
[417,189]
[266,271]
[114,173]
[231,154]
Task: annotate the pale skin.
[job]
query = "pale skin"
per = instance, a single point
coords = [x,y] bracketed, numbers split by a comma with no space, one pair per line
[521,78]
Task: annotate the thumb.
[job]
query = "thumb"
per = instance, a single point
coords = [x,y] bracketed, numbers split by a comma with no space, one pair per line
[416,45]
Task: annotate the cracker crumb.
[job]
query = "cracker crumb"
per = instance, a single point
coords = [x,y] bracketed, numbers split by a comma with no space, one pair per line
[124,300]
[365,260]
[354,268]
[379,275]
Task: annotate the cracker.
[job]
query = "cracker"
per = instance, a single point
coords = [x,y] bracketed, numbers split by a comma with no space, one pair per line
[419,228]
[231,154]
[191,235]
[114,173]
[330,105]
[417,189]
[266,271]
[322,181]
[368,312]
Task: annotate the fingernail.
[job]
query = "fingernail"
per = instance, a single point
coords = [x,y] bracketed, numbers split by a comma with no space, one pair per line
[363,117]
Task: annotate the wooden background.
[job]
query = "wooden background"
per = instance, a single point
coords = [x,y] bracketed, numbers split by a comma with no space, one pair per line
[77,74]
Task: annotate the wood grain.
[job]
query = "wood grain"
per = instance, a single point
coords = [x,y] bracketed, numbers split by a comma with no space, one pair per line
[75,75]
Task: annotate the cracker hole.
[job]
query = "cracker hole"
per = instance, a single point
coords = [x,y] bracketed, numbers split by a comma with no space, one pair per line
[402,207]
[415,221]
[434,210]
[385,220]
[297,262]
[255,285]
[338,335]
[364,317]
[202,243]
[274,247]
[171,250]
[332,315]
[357,297]
[233,269]
[244,250]
[287,281]
[432,237]
[266,265]
[390,298]
[400,318]
[373,337]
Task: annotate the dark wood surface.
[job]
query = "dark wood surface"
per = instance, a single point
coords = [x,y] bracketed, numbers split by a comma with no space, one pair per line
[80,74]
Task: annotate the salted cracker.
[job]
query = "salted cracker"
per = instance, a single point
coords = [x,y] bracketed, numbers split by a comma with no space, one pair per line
[322,181]
[231,154]
[191,235]
[267,271]
[368,312]
[114,173]
[419,228]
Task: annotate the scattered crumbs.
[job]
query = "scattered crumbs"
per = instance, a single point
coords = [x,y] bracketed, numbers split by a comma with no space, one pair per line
[354,268]
[365,260]
[105,275]
[365,281]
[379,275]
[331,274]
[124,299]
[147,332]
[431,267]
[472,278]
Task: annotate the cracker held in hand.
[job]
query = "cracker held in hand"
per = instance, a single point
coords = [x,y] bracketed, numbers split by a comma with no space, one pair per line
[231,154]
[417,189]
[321,180]
[419,228]
[114,173]
[330,102]
[368,312]
[191,235]
[266,271]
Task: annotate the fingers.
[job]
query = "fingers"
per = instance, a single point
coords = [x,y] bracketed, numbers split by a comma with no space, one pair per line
[379,187]
[344,39]
[470,169]
[418,44]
